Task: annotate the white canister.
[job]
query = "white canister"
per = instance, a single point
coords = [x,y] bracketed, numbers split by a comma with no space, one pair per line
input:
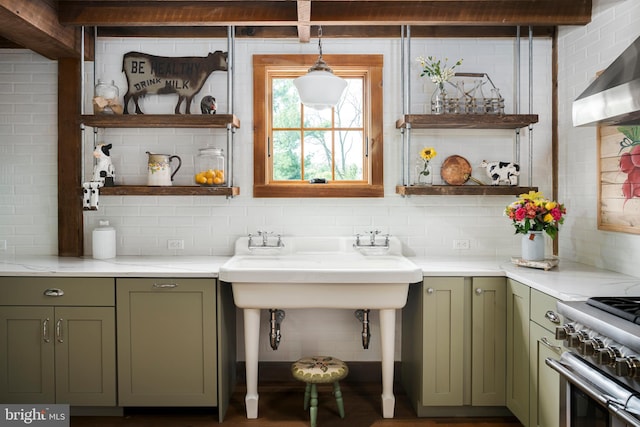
[104,241]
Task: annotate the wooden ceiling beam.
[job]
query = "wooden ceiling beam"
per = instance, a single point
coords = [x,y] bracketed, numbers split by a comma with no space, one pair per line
[304,20]
[34,25]
[325,12]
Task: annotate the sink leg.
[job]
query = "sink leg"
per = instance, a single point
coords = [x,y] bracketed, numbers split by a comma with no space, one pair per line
[251,347]
[387,340]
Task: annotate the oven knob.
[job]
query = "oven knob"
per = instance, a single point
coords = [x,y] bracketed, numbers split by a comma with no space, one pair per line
[575,339]
[589,347]
[628,367]
[564,330]
[607,356]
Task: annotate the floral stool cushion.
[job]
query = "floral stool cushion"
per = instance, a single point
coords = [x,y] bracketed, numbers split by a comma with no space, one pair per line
[315,370]
[319,369]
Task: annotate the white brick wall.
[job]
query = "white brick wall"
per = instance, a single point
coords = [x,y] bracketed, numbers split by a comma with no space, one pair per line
[583,52]
[427,224]
[28,153]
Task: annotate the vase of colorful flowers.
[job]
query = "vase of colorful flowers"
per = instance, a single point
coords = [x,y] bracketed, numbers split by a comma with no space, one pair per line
[533,215]
[424,172]
[439,74]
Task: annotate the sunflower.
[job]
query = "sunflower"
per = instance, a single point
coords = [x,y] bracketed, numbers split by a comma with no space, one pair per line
[428,153]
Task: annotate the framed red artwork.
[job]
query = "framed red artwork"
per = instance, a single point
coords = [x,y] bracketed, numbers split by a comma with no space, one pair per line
[619,178]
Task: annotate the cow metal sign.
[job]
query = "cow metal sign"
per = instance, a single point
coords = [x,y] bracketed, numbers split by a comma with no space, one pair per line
[149,74]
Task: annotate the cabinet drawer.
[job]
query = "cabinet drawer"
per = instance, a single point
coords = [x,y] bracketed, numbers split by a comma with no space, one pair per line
[544,312]
[77,291]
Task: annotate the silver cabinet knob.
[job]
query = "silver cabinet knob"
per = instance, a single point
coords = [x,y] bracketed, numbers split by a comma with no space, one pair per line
[430,291]
[552,317]
[478,291]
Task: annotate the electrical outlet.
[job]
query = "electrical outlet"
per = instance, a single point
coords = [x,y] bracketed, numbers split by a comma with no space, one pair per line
[461,244]
[3,245]
[175,244]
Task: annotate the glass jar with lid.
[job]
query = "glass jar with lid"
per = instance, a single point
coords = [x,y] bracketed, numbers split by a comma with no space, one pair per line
[210,165]
[106,97]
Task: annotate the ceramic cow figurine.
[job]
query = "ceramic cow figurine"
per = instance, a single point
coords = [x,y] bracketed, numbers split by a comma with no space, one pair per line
[103,170]
[502,172]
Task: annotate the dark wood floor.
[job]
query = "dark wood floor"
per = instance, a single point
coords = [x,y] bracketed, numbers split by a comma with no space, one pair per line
[281,406]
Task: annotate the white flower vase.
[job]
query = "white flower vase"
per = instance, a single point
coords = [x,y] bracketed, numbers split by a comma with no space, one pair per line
[438,99]
[533,246]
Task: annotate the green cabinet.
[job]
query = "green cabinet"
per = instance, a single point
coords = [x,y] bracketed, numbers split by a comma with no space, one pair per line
[518,372]
[52,350]
[544,399]
[453,346]
[167,346]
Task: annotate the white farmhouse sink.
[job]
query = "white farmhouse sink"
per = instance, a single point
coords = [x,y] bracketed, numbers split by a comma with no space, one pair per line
[320,272]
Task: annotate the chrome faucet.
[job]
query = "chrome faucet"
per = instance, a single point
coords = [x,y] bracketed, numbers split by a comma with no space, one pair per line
[265,241]
[372,241]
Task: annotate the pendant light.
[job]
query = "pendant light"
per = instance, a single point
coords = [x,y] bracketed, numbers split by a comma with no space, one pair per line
[320,88]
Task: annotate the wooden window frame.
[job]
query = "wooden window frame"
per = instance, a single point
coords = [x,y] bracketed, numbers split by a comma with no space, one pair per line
[374,187]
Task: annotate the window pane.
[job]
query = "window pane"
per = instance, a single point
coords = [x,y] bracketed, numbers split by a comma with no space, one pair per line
[349,155]
[317,118]
[286,156]
[349,109]
[317,155]
[286,104]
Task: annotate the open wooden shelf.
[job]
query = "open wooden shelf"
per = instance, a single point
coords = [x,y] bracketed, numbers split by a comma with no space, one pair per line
[186,190]
[160,120]
[462,190]
[466,121]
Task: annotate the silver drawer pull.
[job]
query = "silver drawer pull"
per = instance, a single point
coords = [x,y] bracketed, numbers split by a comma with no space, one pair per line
[165,285]
[546,342]
[45,330]
[552,317]
[53,292]
[59,331]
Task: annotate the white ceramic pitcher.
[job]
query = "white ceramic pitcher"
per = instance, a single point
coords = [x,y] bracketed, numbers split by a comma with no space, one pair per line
[159,169]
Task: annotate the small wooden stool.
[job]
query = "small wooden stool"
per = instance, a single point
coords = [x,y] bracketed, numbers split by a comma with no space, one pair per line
[319,370]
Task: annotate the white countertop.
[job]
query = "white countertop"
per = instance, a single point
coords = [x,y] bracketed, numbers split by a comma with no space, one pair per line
[568,281]
[125,266]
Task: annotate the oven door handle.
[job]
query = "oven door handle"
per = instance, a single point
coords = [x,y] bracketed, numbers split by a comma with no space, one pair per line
[611,404]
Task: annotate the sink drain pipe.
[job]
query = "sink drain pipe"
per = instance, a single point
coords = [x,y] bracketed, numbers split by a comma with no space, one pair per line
[277,316]
[363,317]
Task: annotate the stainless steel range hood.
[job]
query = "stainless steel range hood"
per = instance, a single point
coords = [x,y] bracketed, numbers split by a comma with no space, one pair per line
[614,96]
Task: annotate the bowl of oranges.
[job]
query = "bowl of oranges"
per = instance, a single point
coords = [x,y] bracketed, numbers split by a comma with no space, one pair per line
[210,178]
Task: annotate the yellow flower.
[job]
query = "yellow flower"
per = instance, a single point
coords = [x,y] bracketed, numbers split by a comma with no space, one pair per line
[428,153]
[531,195]
[550,205]
[548,218]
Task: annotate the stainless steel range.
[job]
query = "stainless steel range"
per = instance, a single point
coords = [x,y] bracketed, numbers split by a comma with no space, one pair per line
[600,368]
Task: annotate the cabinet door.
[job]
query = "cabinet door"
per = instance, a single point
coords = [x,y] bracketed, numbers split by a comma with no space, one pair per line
[443,341]
[166,342]
[488,341]
[85,350]
[518,307]
[27,355]
[545,382]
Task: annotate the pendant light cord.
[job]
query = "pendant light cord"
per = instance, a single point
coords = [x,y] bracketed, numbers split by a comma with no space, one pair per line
[320,40]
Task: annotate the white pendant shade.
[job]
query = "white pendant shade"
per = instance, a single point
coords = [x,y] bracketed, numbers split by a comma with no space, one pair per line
[320,89]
